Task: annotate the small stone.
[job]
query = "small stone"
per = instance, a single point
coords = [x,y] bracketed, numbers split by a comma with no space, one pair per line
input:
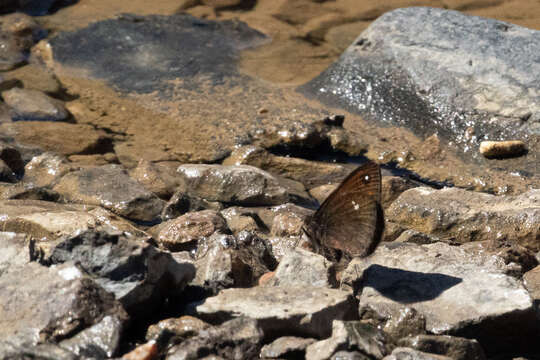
[502,149]
[148,351]
[178,233]
[284,346]
[175,329]
[454,347]
[34,105]
[402,353]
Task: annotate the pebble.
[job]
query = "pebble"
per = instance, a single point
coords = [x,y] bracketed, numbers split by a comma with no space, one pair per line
[502,149]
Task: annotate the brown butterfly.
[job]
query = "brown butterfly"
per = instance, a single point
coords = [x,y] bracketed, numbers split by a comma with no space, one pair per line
[350,221]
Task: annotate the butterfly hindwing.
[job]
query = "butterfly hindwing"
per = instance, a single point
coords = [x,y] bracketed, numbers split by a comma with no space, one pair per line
[350,219]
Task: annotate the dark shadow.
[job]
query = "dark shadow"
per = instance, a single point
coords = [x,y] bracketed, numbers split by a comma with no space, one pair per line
[406,286]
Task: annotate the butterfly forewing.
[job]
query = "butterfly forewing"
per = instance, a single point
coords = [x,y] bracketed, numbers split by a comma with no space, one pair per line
[350,218]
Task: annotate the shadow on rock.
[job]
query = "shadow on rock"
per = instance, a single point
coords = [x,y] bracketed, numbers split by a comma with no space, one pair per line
[407,287]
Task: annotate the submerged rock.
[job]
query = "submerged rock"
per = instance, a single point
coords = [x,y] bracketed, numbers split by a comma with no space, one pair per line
[33,105]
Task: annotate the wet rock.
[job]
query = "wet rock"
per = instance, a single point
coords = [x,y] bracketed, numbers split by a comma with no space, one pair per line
[434,81]
[349,335]
[141,67]
[181,203]
[174,330]
[111,187]
[138,274]
[286,346]
[15,251]
[458,215]
[235,339]
[32,313]
[58,137]
[502,149]
[34,77]
[148,351]
[8,350]
[33,7]
[453,347]
[303,268]
[238,220]
[185,231]
[224,261]
[159,179]
[98,341]
[19,33]
[310,173]
[240,185]
[459,292]
[46,169]
[297,311]
[402,353]
[34,105]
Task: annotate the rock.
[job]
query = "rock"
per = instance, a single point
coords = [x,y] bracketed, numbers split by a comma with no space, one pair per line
[58,137]
[297,311]
[34,105]
[502,149]
[35,77]
[46,169]
[159,179]
[140,276]
[19,33]
[111,187]
[224,261]
[235,339]
[240,185]
[349,335]
[459,215]
[100,340]
[42,351]
[445,83]
[392,187]
[310,173]
[15,251]
[47,223]
[303,268]
[23,191]
[148,351]
[401,353]
[321,192]
[459,292]
[185,231]
[416,237]
[532,282]
[181,203]
[286,347]
[33,7]
[349,355]
[238,221]
[450,346]
[6,174]
[11,157]
[31,312]
[174,330]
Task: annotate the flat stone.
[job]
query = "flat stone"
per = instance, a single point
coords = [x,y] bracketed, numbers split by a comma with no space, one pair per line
[283,346]
[457,290]
[502,149]
[349,335]
[453,214]
[303,268]
[62,138]
[111,187]
[235,339]
[33,311]
[453,347]
[435,81]
[34,105]
[35,77]
[302,310]
[240,185]
[180,233]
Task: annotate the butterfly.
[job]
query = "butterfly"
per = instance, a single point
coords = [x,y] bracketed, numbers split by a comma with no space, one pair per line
[350,222]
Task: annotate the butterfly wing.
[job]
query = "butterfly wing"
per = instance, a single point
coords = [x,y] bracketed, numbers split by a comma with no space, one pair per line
[350,219]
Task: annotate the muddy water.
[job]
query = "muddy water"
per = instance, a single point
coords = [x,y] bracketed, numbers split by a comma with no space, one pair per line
[306,37]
